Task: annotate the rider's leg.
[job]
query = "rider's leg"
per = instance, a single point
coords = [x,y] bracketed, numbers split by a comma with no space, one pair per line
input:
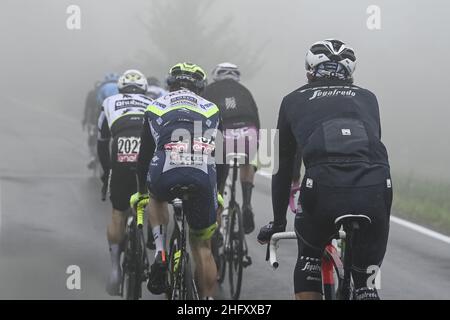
[115,234]
[158,219]
[206,270]
[371,241]
[122,185]
[247,175]
[313,227]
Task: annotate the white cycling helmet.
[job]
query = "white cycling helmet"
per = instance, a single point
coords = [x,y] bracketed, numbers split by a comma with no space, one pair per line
[132,81]
[333,57]
[226,70]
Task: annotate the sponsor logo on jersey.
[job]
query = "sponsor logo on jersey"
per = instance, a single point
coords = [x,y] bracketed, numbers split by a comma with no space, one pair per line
[122,104]
[317,94]
[159,105]
[190,100]
[230,103]
[206,106]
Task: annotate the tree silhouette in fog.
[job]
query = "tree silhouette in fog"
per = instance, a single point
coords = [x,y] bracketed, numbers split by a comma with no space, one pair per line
[182,30]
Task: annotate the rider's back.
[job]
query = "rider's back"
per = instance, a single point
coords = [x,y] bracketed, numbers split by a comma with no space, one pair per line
[337,127]
[181,109]
[234,100]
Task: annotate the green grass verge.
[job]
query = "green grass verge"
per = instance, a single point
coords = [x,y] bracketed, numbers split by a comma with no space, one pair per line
[422,201]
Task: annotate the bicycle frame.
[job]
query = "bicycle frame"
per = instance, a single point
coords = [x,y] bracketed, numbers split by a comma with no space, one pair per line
[136,263]
[180,257]
[330,262]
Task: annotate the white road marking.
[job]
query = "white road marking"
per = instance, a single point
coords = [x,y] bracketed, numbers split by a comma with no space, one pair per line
[402,222]
[1,205]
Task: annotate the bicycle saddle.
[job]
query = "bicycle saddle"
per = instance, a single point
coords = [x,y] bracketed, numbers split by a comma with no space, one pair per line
[349,219]
[183,191]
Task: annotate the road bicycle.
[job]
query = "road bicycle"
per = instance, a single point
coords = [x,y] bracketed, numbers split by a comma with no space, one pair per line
[336,262]
[233,255]
[135,263]
[182,284]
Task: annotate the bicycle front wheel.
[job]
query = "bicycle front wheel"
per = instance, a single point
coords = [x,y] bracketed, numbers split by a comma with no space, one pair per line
[236,251]
[132,267]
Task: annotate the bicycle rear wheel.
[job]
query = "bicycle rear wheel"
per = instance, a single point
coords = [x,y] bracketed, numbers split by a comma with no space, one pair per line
[236,251]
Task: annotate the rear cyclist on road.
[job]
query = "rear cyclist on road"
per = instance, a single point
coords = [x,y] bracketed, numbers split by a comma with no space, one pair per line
[240,121]
[335,127]
[121,121]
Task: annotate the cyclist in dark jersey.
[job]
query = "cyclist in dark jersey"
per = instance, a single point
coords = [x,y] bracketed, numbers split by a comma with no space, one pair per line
[240,122]
[89,122]
[336,126]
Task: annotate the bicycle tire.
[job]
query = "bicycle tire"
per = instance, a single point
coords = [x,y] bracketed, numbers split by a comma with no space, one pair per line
[132,268]
[346,290]
[236,251]
[190,289]
[173,274]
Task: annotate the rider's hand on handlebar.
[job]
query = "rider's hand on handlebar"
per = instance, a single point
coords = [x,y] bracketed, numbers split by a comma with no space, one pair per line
[266,232]
[139,200]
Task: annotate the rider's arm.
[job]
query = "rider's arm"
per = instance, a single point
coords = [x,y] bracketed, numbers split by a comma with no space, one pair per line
[104,135]
[281,180]
[146,151]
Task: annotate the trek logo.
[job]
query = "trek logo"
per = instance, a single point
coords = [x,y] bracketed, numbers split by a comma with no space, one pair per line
[332,93]
[230,103]
[121,104]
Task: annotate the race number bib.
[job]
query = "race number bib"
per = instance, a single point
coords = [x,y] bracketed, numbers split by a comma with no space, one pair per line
[128,149]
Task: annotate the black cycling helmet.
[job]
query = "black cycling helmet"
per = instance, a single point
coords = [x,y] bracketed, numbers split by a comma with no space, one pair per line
[186,75]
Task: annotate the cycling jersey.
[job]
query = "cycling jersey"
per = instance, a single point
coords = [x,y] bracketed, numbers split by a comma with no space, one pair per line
[177,145]
[119,113]
[336,127]
[121,119]
[236,103]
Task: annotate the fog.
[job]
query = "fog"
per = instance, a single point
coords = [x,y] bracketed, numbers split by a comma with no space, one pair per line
[46,65]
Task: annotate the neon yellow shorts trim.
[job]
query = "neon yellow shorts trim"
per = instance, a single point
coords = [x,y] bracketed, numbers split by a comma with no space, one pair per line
[203,234]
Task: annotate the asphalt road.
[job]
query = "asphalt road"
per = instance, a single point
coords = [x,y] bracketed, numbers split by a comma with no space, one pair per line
[51,217]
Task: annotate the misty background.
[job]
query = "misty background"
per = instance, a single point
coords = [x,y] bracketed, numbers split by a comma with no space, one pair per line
[50,67]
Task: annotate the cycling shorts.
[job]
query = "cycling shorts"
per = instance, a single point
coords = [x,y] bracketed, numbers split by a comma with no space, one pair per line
[122,185]
[242,140]
[201,208]
[314,224]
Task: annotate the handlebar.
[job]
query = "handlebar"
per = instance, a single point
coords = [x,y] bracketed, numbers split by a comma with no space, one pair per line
[273,245]
[140,210]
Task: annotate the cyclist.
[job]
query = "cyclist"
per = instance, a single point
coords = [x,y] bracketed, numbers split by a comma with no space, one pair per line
[89,122]
[121,121]
[155,90]
[107,88]
[336,126]
[177,122]
[240,121]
